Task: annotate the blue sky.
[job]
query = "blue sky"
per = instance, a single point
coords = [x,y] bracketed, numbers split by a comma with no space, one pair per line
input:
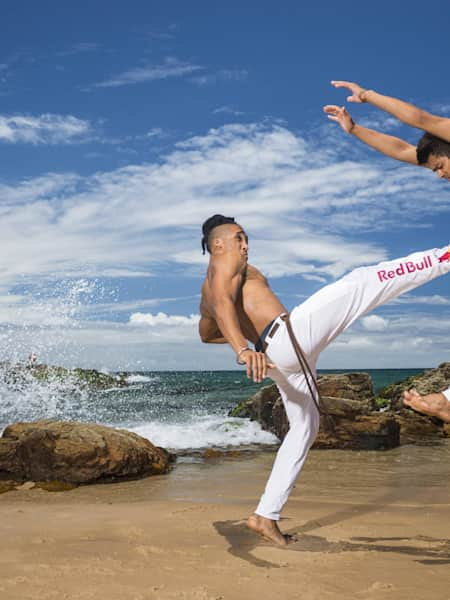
[123,126]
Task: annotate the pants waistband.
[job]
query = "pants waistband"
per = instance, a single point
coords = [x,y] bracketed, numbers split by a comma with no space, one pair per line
[269,332]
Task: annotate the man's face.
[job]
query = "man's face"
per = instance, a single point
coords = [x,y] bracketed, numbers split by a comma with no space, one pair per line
[236,240]
[439,165]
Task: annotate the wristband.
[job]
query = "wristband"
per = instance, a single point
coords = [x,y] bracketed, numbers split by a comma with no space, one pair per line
[353,125]
[238,354]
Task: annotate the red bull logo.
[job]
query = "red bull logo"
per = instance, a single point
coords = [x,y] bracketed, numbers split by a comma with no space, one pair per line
[445,257]
[408,267]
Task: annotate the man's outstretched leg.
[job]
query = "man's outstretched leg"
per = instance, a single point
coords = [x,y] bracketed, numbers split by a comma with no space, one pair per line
[433,405]
[316,323]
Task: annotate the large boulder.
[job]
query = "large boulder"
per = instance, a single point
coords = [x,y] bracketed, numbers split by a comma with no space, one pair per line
[346,422]
[264,408]
[351,386]
[353,429]
[76,453]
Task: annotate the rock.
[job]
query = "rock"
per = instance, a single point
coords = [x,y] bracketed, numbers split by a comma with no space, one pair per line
[18,374]
[259,407]
[351,386]
[72,452]
[7,486]
[374,431]
[414,427]
[88,377]
[352,424]
[28,485]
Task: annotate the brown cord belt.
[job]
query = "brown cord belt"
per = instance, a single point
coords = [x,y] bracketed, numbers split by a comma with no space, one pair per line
[306,369]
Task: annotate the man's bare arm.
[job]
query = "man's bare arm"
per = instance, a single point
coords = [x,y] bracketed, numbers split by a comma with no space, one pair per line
[209,332]
[401,110]
[386,144]
[225,279]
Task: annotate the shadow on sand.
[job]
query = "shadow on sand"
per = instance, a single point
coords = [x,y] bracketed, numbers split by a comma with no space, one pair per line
[425,550]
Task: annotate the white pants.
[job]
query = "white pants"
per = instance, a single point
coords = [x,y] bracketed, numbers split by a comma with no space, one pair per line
[316,323]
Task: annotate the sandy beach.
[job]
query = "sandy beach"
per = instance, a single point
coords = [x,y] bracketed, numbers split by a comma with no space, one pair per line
[371,526]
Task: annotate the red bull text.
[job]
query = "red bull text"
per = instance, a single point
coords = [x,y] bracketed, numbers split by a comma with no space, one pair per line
[404,268]
[445,257]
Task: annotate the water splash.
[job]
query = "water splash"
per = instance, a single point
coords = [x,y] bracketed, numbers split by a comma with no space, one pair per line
[38,319]
[34,329]
[24,397]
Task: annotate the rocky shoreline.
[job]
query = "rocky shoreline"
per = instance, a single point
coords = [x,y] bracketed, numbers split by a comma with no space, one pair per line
[353,417]
[73,453]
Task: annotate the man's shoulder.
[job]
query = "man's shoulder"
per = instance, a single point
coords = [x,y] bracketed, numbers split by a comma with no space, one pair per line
[252,271]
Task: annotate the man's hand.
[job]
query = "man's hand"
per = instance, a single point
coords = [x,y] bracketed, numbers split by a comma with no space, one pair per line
[256,364]
[355,89]
[340,115]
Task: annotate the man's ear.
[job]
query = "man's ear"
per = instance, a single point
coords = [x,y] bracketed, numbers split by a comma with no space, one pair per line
[217,244]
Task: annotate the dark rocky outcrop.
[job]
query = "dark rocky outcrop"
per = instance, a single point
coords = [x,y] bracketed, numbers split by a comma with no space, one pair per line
[346,423]
[355,422]
[75,452]
[17,374]
[351,386]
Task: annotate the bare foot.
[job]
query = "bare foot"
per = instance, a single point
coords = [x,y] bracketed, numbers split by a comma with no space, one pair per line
[269,529]
[434,405]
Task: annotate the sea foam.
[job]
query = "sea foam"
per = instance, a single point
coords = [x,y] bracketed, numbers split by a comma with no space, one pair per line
[209,431]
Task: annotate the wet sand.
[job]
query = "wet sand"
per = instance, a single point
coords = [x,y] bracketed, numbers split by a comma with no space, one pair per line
[371,525]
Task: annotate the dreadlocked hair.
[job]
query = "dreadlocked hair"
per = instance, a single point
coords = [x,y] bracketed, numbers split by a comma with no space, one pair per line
[209,225]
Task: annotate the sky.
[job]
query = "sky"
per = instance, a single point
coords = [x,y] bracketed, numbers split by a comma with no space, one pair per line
[123,126]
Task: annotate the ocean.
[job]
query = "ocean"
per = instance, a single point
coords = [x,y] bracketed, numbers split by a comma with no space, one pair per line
[183,411]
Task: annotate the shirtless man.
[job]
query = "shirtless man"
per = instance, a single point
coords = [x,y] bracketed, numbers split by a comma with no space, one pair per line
[237,305]
[432,152]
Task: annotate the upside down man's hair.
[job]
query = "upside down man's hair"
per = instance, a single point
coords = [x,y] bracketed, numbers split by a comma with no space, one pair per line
[430,144]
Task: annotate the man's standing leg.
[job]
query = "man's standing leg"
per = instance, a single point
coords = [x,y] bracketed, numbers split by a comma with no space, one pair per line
[304,421]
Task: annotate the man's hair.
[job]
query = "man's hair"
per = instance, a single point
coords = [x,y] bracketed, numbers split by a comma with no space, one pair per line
[430,144]
[209,225]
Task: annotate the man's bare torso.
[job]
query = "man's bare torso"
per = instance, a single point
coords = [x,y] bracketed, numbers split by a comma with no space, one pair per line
[256,304]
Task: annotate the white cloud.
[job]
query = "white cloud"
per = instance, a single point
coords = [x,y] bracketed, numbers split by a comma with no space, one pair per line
[79,48]
[374,323]
[227,110]
[380,122]
[161,318]
[44,129]
[171,67]
[442,108]
[434,300]
[307,213]
[224,75]
[133,219]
